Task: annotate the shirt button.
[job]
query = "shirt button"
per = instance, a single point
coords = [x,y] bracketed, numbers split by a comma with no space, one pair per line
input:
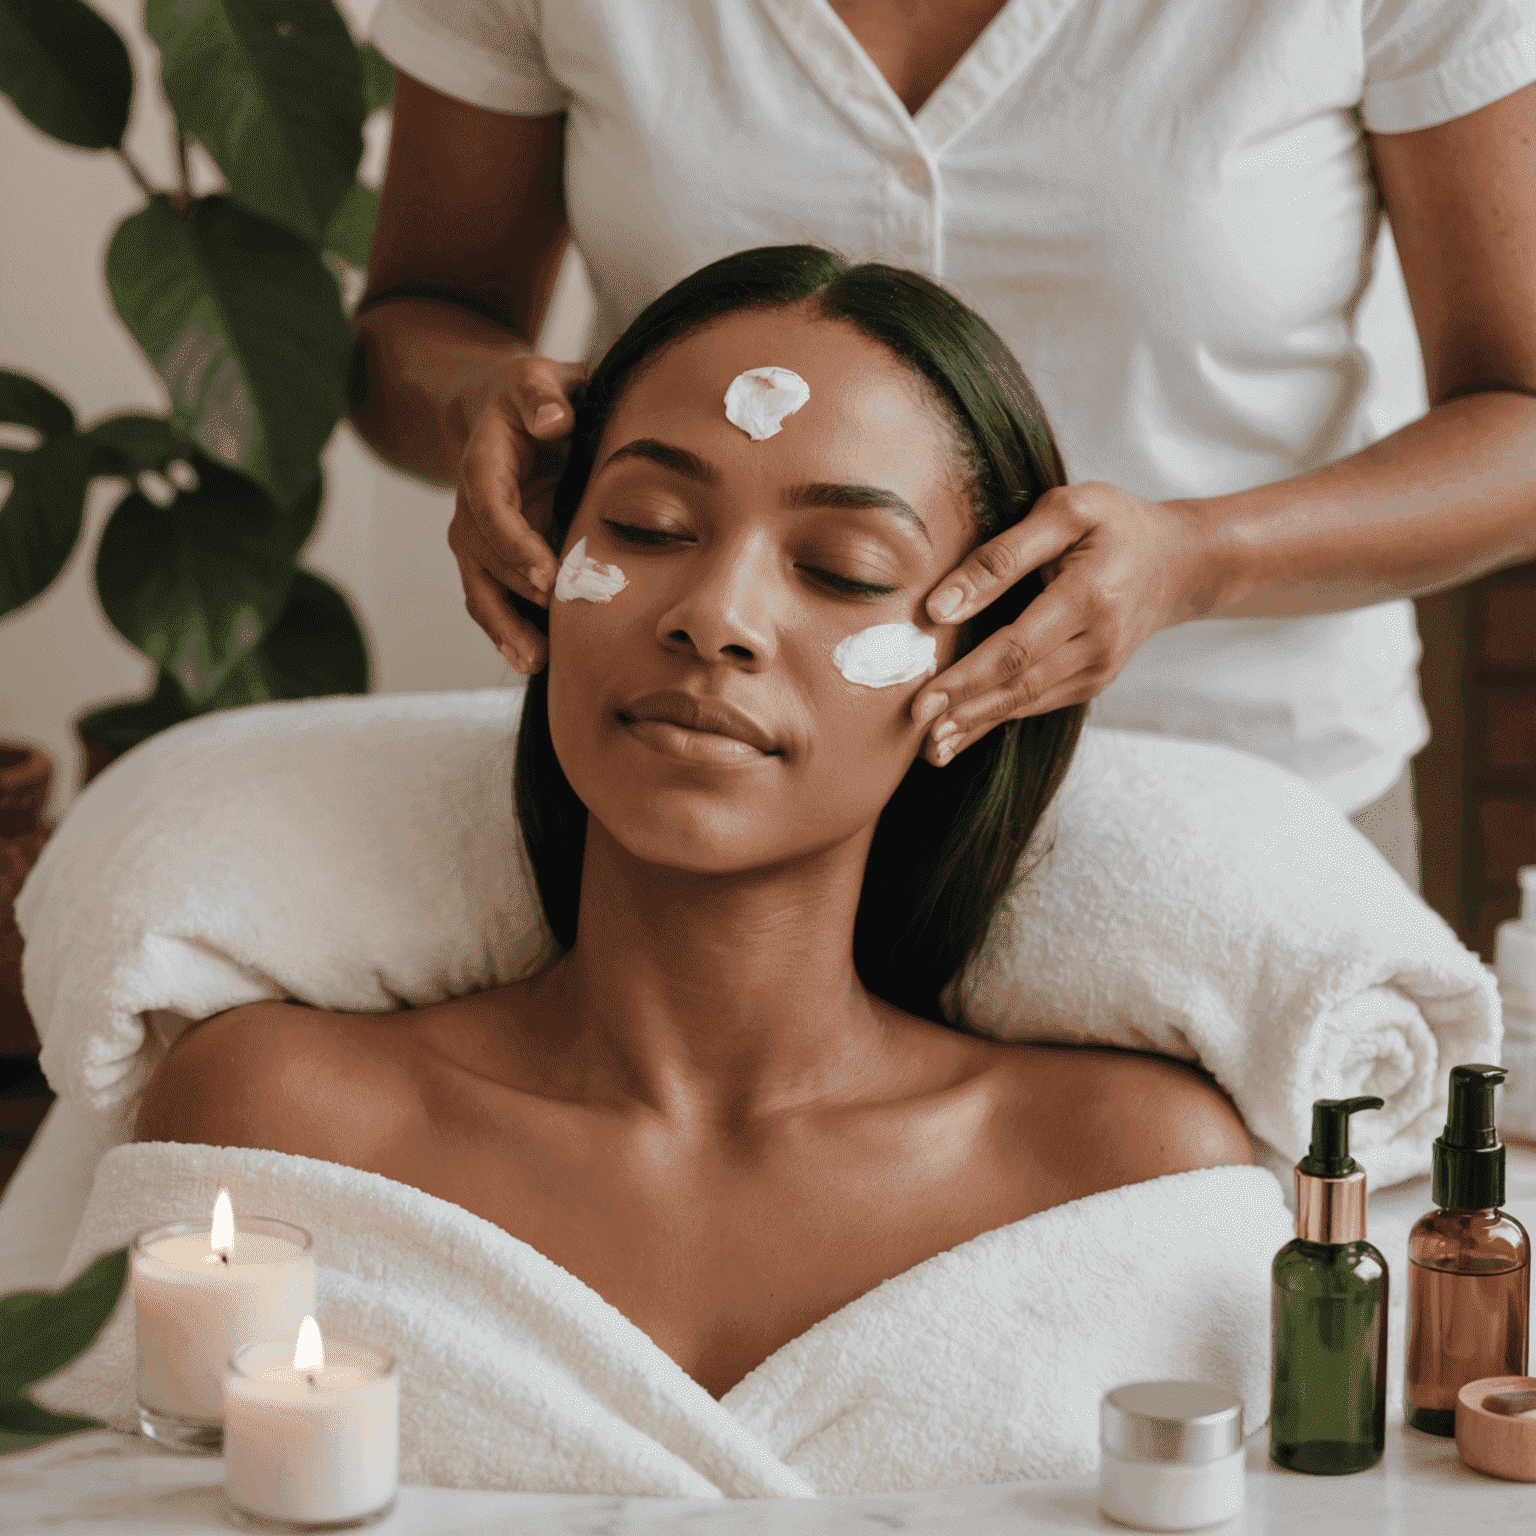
[914,176]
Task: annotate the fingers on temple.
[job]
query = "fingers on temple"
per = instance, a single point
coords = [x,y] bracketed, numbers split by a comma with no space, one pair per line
[1071,674]
[1012,657]
[470,544]
[1047,533]
[490,508]
[486,602]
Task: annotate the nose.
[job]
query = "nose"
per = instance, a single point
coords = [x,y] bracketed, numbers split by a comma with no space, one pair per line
[725,611]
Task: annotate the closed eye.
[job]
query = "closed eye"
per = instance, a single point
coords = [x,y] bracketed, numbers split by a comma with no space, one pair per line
[845,584]
[631,533]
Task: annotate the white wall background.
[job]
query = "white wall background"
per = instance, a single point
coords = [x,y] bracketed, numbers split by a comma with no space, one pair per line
[381,536]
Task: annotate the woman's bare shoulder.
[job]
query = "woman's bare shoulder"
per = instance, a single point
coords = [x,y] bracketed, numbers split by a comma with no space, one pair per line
[1172,1117]
[281,1077]
[1102,1118]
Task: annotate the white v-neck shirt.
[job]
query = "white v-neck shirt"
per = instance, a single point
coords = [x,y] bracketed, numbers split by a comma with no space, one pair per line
[1164,206]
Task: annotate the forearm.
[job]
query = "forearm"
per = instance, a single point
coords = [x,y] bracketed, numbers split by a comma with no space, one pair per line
[1444,500]
[423,372]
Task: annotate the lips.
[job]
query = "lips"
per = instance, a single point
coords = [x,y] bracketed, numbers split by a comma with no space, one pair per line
[700,714]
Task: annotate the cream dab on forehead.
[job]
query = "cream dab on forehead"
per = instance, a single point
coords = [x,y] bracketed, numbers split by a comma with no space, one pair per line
[590,580]
[759,400]
[886,654]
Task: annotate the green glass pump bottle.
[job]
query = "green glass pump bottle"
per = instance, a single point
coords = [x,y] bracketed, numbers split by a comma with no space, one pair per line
[1328,1313]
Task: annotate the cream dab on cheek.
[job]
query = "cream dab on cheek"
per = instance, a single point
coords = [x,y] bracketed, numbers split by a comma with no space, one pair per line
[759,400]
[590,580]
[886,654]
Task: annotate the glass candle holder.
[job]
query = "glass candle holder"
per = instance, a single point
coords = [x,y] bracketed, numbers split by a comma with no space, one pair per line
[193,1309]
[315,1450]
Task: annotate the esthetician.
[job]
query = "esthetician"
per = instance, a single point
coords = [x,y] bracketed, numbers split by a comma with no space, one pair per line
[1167,208]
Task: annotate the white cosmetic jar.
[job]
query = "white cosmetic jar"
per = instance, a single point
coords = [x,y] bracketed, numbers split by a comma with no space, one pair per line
[1172,1455]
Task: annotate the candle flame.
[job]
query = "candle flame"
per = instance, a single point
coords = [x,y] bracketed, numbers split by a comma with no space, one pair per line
[223,1236]
[309,1353]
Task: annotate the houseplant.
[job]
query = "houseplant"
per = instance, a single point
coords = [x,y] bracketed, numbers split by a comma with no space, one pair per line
[236,299]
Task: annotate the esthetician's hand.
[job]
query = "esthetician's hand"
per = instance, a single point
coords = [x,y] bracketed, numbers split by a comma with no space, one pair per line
[1116,567]
[507,477]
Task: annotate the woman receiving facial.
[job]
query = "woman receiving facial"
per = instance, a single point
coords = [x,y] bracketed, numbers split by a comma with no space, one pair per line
[724,862]
[732,1104]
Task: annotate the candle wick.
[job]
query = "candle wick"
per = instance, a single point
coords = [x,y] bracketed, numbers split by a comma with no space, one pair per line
[224,1256]
[311,1381]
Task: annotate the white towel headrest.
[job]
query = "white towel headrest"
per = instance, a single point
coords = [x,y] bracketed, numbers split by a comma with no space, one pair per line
[363,854]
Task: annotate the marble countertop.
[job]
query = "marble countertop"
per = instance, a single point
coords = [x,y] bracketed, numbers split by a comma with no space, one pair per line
[113,1484]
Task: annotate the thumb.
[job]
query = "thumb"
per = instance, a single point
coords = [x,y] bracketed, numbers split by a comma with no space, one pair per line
[546,406]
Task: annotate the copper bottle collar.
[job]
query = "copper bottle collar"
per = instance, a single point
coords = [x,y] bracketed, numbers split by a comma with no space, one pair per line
[1330,1210]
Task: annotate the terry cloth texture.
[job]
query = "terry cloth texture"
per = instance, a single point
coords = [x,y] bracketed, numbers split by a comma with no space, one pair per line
[985,1363]
[363,854]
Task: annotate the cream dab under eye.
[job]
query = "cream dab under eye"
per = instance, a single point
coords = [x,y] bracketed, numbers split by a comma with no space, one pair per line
[590,580]
[886,654]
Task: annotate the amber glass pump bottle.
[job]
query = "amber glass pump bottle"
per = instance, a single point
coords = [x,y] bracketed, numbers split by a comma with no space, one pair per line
[1328,1314]
[1469,1264]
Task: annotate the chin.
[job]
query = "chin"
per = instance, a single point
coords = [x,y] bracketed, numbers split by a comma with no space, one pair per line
[677,829]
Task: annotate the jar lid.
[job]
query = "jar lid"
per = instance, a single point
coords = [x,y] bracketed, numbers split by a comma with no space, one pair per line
[1186,1422]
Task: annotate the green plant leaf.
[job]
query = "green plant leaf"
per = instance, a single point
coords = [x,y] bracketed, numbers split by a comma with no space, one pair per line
[123,726]
[316,648]
[350,232]
[243,321]
[40,1333]
[128,445]
[41,515]
[196,584]
[273,90]
[67,71]
[23,1424]
[378,78]
[29,403]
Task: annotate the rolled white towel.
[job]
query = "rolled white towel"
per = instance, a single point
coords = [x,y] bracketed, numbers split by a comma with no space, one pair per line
[1209,905]
[363,854]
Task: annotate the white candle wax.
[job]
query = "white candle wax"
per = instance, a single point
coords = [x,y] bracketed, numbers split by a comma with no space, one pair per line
[311,1453]
[193,1310]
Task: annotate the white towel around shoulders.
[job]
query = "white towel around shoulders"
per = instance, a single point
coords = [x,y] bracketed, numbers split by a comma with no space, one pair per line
[985,1363]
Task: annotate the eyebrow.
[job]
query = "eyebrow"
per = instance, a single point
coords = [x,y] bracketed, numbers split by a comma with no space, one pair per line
[811,494]
[679,460]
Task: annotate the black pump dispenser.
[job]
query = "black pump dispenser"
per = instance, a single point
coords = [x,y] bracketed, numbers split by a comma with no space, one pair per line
[1328,1157]
[1469,1157]
[1328,1313]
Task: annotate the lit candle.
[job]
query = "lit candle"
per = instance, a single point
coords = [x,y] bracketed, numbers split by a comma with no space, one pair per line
[310,1441]
[199,1293]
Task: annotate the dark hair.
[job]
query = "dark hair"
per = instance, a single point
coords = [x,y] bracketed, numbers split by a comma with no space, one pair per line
[945,849]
